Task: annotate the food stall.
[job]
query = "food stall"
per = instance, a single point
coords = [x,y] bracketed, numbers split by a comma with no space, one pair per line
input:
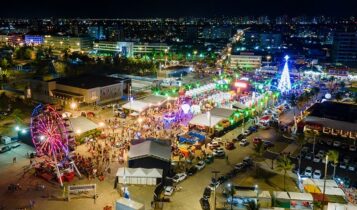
[264,199]
[301,200]
[281,199]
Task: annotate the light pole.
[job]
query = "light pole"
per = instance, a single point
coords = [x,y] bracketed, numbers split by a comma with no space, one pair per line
[230,187]
[209,120]
[214,189]
[323,193]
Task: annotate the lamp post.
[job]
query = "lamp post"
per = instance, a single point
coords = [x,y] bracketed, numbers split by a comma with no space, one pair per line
[230,187]
[324,189]
[214,189]
[209,120]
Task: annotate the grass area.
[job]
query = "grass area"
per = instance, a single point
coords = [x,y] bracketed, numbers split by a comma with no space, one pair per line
[266,180]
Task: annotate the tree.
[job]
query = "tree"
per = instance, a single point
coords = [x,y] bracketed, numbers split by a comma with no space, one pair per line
[252,205]
[333,156]
[338,96]
[4,63]
[284,164]
[18,116]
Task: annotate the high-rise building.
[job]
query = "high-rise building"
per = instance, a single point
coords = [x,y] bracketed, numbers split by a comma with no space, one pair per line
[345,48]
[96,32]
[246,61]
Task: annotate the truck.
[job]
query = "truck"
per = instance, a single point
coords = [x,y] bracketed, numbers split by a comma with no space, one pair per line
[127,204]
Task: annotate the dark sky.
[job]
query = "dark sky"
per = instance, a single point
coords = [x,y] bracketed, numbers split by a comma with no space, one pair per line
[173,8]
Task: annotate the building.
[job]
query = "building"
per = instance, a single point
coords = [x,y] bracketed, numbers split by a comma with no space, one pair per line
[96,32]
[68,42]
[123,48]
[217,32]
[333,118]
[88,89]
[246,61]
[270,40]
[130,49]
[34,39]
[150,153]
[345,48]
[341,71]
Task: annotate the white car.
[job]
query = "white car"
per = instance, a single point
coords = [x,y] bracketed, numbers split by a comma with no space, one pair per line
[352,167]
[200,165]
[343,165]
[169,190]
[308,171]
[336,143]
[213,186]
[179,177]
[317,174]
[321,153]
[352,148]
[244,142]
[317,159]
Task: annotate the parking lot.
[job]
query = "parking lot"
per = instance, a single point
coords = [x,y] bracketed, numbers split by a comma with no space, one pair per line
[344,153]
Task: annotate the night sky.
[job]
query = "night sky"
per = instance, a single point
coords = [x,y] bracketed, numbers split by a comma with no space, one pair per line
[173,8]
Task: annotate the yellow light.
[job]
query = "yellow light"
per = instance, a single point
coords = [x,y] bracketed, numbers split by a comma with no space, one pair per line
[73,105]
[78,131]
[101,124]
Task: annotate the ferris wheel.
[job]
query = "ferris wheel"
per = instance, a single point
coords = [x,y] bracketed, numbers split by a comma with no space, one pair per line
[52,136]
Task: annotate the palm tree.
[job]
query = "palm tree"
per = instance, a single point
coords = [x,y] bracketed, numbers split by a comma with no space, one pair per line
[252,205]
[333,156]
[284,164]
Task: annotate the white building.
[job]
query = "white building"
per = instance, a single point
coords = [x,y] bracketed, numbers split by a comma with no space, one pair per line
[246,61]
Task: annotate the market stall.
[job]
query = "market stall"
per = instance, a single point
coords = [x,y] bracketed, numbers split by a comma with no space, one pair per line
[281,199]
[140,176]
[301,200]
[264,198]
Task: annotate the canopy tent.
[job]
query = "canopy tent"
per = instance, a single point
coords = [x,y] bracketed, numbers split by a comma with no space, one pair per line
[337,206]
[158,149]
[281,199]
[141,176]
[334,191]
[221,112]
[264,199]
[136,106]
[153,100]
[202,120]
[82,124]
[329,183]
[238,105]
[246,194]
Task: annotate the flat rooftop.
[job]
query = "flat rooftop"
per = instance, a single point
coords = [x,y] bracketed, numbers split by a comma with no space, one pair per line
[335,111]
[88,81]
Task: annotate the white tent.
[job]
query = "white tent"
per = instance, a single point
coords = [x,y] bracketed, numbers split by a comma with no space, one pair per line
[136,106]
[82,124]
[124,203]
[202,120]
[337,206]
[329,183]
[153,100]
[333,191]
[142,176]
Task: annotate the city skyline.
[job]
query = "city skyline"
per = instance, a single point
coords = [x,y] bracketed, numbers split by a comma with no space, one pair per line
[161,8]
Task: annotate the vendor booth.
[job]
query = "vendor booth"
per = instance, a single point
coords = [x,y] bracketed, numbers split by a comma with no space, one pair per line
[136,106]
[264,199]
[281,199]
[301,200]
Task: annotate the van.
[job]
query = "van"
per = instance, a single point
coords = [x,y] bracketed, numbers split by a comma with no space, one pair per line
[5,140]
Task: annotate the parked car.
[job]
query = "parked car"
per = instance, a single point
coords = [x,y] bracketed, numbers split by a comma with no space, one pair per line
[346,159]
[205,204]
[219,154]
[308,171]
[247,161]
[305,150]
[308,156]
[329,142]
[352,167]
[244,143]
[191,171]
[239,166]
[179,177]
[268,144]
[240,137]
[343,165]
[214,185]
[213,145]
[13,146]
[5,149]
[336,144]
[317,174]
[352,148]
[230,146]
[317,159]
[207,193]
[169,190]
[200,165]
[321,153]
[256,140]
[247,132]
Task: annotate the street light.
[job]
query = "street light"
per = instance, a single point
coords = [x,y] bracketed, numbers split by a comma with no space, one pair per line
[73,105]
[324,189]
[230,187]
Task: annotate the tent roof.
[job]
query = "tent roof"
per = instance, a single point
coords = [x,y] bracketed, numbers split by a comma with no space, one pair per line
[221,112]
[83,124]
[329,183]
[334,191]
[246,193]
[202,120]
[139,172]
[154,100]
[138,106]
[281,195]
[300,196]
[264,194]
[151,148]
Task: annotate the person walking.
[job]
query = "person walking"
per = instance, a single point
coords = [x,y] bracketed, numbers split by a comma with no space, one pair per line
[14,160]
